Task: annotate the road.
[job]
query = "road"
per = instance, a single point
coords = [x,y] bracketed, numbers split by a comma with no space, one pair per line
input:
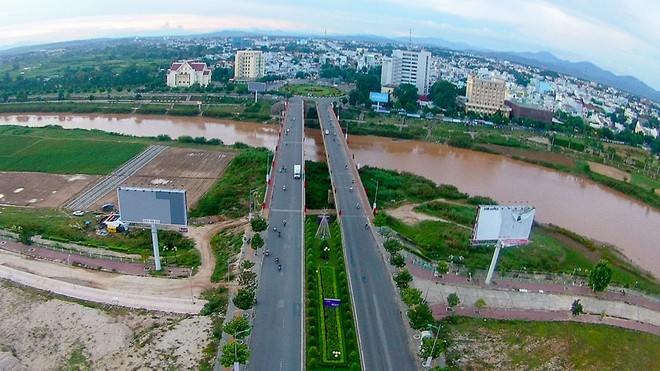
[277,339]
[384,342]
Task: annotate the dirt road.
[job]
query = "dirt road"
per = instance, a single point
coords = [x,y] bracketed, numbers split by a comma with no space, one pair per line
[162,294]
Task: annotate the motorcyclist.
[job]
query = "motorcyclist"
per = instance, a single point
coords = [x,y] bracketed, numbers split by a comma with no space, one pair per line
[279,267]
[357,205]
[284,188]
[266,252]
[277,259]
[284,222]
[279,234]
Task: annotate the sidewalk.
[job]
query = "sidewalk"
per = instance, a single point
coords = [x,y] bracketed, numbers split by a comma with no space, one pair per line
[536,301]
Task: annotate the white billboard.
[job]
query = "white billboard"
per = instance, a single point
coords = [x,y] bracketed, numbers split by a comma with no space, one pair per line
[509,224]
[153,206]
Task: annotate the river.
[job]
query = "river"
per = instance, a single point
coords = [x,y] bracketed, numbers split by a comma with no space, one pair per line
[561,199]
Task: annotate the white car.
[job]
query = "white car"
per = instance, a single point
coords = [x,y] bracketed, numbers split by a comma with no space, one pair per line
[78,213]
[327,131]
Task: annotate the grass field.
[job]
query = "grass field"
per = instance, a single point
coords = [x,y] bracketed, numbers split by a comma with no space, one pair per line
[525,345]
[64,156]
[314,90]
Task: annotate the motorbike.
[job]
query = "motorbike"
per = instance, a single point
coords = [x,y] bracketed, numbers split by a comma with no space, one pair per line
[284,188]
[279,267]
[266,252]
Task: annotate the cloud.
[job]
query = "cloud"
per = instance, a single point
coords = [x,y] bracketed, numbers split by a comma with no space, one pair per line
[90,27]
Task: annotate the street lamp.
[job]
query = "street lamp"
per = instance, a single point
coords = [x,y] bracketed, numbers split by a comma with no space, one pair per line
[373,209]
[235,348]
[430,358]
[430,279]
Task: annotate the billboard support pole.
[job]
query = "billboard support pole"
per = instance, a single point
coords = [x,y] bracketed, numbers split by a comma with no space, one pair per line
[493,262]
[154,241]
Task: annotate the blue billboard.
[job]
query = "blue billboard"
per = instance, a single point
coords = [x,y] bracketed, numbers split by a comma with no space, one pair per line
[379,97]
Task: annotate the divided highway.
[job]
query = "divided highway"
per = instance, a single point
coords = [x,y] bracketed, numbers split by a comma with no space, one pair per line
[384,342]
[277,340]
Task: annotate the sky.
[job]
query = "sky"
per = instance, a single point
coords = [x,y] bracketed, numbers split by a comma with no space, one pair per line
[622,36]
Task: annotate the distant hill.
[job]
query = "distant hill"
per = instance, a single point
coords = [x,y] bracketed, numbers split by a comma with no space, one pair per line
[583,70]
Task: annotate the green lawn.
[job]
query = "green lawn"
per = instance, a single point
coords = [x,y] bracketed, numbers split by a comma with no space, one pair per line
[314,90]
[568,345]
[645,181]
[10,144]
[67,156]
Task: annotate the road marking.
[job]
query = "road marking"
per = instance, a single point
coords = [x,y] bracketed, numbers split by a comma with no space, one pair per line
[286,210]
[381,329]
[280,303]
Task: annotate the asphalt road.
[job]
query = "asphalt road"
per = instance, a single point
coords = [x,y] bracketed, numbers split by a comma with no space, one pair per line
[277,339]
[383,339]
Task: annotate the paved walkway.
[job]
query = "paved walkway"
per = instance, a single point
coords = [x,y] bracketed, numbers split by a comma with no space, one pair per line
[536,301]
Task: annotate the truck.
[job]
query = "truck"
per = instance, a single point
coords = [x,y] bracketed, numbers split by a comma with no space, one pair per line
[296,171]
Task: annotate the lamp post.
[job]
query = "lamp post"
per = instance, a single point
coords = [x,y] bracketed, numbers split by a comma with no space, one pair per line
[430,358]
[373,209]
[430,279]
[235,348]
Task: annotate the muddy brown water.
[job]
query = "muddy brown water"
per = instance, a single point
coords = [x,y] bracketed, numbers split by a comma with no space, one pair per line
[573,203]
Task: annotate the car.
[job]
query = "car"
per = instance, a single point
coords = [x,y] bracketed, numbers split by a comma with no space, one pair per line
[327,131]
[78,213]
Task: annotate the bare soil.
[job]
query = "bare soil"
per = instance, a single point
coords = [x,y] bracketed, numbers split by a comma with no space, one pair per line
[406,214]
[178,168]
[555,158]
[41,189]
[609,171]
[39,332]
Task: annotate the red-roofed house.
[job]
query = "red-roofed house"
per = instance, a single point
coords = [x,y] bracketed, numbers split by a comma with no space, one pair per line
[188,73]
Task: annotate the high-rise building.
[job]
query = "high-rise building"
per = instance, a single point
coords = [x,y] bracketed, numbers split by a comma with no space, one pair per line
[486,96]
[249,64]
[407,67]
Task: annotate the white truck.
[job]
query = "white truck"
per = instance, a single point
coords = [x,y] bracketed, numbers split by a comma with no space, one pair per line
[296,171]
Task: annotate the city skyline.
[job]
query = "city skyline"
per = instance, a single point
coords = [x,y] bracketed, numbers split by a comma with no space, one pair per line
[621,37]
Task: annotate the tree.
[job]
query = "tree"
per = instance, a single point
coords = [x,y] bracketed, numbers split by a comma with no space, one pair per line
[600,276]
[420,316]
[239,326]
[480,304]
[577,308]
[442,267]
[403,278]
[248,279]
[234,352]
[411,296]
[453,299]
[427,346]
[406,93]
[392,245]
[259,224]
[244,299]
[443,94]
[397,260]
[257,241]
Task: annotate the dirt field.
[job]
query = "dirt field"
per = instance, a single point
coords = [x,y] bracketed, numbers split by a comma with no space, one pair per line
[609,171]
[555,158]
[39,332]
[181,168]
[40,189]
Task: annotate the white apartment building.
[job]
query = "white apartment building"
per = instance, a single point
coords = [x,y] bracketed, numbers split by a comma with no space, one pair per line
[249,65]
[187,73]
[486,96]
[407,67]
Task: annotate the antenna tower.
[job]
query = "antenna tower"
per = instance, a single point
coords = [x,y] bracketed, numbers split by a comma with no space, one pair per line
[323,232]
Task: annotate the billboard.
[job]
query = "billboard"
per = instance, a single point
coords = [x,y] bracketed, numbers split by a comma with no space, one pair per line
[509,224]
[379,97]
[153,206]
[259,87]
